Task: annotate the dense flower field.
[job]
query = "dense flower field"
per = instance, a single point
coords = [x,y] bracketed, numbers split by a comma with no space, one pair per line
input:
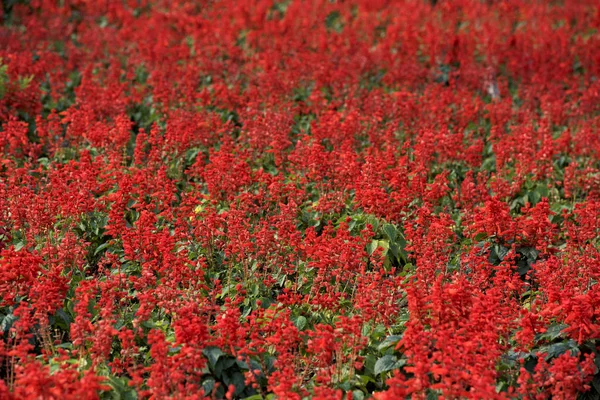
[287,199]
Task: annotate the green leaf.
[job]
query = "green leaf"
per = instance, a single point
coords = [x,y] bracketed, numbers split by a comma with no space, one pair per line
[389,341]
[191,154]
[553,332]
[300,322]
[523,268]
[208,386]
[480,236]
[395,250]
[371,247]
[24,81]
[120,389]
[369,364]
[222,365]
[239,382]
[243,365]
[431,395]
[64,317]
[366,379]
[101,247]
[497,254]
[402,254]
[213,354]
[236,379]
[7,322]
[557,349]
[501,387]
[534,197]
[390,231]
[20,244]
[530,253]
[596,383]
[385,244]
[501,251]
[358,395]
[385,364]
[542,190]
[333,21]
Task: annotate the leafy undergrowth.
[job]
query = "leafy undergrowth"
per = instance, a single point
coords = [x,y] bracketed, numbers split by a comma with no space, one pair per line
[300,199]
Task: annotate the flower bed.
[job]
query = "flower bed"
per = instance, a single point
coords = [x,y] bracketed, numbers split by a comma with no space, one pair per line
[293,199]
